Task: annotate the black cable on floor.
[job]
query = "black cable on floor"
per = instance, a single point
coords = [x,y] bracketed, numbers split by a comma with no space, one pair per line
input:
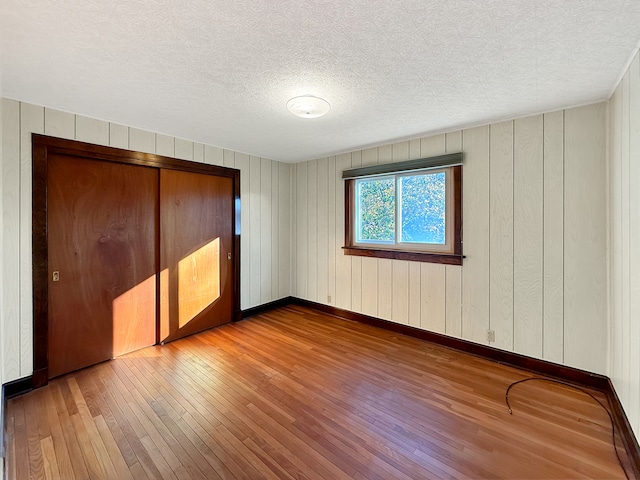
[613,425]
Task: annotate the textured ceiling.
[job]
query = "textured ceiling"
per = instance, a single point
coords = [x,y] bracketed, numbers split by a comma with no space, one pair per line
[221,71]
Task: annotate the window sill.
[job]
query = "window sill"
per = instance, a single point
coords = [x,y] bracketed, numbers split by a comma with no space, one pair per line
[444,258]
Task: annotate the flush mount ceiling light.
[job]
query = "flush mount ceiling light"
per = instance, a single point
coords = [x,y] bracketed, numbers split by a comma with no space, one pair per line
[308,106]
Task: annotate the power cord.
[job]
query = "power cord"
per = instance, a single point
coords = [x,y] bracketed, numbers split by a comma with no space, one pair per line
[613,425]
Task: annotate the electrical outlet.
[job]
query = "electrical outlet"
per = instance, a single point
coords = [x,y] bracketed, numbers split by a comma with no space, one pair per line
[328,298]
[491,335]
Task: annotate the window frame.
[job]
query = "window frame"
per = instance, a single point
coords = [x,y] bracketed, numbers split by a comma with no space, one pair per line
[403,251]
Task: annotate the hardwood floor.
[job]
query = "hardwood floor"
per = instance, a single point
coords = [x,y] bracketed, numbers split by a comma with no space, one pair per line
[294,393]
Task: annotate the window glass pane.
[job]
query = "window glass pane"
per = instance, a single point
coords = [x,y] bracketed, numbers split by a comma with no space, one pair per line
[422,208]
[375,210]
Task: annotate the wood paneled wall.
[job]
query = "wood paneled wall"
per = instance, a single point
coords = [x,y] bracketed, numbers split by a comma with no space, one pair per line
[625,241]
[534,220]
[265,218]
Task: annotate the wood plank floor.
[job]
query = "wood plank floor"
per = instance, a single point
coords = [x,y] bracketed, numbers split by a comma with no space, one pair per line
[294,393]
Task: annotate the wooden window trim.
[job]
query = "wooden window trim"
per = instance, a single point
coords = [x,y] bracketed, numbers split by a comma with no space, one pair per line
[454,258]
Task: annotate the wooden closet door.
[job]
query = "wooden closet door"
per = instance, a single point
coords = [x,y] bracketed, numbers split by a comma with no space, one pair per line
[102,220]
[196,247]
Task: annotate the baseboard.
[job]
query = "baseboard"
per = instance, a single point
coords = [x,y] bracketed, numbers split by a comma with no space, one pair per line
[575,376]
[629,440]
[265,307]
[17,387]
[540,367]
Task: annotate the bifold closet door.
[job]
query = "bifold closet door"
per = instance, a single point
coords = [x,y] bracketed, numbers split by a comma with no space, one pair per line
[102,236]
[196,248]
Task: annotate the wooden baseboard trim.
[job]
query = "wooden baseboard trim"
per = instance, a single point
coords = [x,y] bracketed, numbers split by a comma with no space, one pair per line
[623,427]
[571,375]
[266,307]
[17,387]
[541,367]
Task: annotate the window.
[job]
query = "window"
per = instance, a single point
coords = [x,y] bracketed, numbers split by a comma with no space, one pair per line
[408,210]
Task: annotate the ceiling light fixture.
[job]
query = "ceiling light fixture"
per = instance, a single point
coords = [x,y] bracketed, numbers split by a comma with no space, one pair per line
[308,106]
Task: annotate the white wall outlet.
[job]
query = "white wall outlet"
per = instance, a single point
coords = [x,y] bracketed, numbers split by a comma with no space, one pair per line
[491,335]
[328,298]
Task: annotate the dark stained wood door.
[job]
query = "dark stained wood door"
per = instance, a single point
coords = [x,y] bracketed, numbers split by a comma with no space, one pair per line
[102,220]
[196,248]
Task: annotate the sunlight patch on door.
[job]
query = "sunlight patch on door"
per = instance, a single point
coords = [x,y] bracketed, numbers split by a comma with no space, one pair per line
[134,317]
[198,281]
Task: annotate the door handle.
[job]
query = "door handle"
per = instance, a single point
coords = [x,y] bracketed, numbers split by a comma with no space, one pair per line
[229,256]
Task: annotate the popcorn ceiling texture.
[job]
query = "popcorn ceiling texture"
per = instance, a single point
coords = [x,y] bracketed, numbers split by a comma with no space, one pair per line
[220,72]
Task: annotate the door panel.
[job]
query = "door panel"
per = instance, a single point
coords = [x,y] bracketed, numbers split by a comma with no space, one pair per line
[196,244]
[102,241]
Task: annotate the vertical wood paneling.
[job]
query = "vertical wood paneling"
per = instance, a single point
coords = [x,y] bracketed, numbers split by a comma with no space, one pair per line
[31,121]
[11,338]
[436,145]
[294,231]
[616,239]
[275,231]
[400,293]
[183,149]
[369,157]
[198,152]
[312,230]
[414,307]
[415,293]
[245,230]
[475,272]
[400,151]
[265,206]
[584,239]
[91,130]
[331,226]
[118,136]
[385,288]
[625,195]
[634,241]
[501,234]
[433,295]
[229,158]
[343,262]
[553,299]
[256,227]
[139,140]
[301,231]
[356,262]
[285,238]
[213,155]
[414,149]
[59,124]
[165,145]
[385,154]
[527,235]
[453,308]
[370,286]
[323,231]
[452,144]
[624,355]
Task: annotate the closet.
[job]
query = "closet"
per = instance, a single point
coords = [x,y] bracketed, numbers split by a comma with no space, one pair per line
[129,250]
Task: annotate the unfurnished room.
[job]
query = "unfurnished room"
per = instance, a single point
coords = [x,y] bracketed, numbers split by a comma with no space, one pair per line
[320,239]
